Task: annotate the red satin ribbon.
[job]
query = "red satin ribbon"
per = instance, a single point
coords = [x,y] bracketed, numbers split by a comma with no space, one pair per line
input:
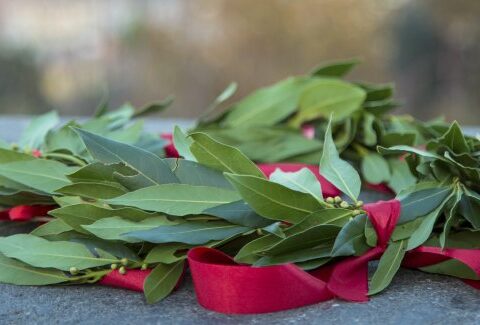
[132,280]
[25,212]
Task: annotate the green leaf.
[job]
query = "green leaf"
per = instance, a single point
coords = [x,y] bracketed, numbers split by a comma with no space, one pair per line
[112,228]
[272,200]
[8,156]
[469,208]
[407,149]
[453,268]
[424,230]
[351,239]
[402,177]
[192,232]
[375,168]
[222,157]
[269,105]
[193,173]
[422,202]
[450,218]
[369,133]
[78,215]
[100,190]
[326,96]
[454,139]
[224,95]
[38,128]
[239,213]
[150,166]
[154,107]
[301,181]
[60,255]
[162,280]
[167,253]
[53,227]
[310,238]
[387,267]
[40,174]
[335,69]
[182,144]
[176,199]
[337,171]
[15,272]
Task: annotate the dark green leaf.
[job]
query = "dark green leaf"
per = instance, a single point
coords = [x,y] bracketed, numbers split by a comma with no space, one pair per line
[162,280]
[337,171]
[272,200]
[192,232]
[387,267]
[176,199]
[222,157]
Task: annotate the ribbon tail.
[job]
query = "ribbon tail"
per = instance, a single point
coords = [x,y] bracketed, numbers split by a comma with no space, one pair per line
[227,287]
[349,277]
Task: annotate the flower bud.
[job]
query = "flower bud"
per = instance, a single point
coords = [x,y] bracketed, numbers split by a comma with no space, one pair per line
[338,199]
[73,270]
[330,200]
[144,267]
[344,205]
[122,270]
[359,204]
[356,212]
[114,266]
[124,261]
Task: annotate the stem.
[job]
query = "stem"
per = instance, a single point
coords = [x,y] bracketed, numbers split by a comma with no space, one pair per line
[361,150]
[70,158]
[201,218]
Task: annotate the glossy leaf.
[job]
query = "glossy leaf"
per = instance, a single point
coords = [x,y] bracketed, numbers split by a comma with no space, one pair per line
[272,200]
[337,171]
[387,267]
[221,157]
[60,255]
[176,199]
[375,169]
[112,228]
[335,69]
[40,174]
[302,181]
[351,238]
[162,280]
[269,105]
[150,166]
[326,96]
[15,272]
[192,232]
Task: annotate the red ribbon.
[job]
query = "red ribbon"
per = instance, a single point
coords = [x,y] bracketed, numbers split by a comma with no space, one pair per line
[25,212]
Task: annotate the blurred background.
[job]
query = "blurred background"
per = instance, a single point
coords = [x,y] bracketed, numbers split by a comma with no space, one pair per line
[66,55]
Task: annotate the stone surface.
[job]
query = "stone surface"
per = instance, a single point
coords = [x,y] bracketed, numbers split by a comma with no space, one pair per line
[413,298]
